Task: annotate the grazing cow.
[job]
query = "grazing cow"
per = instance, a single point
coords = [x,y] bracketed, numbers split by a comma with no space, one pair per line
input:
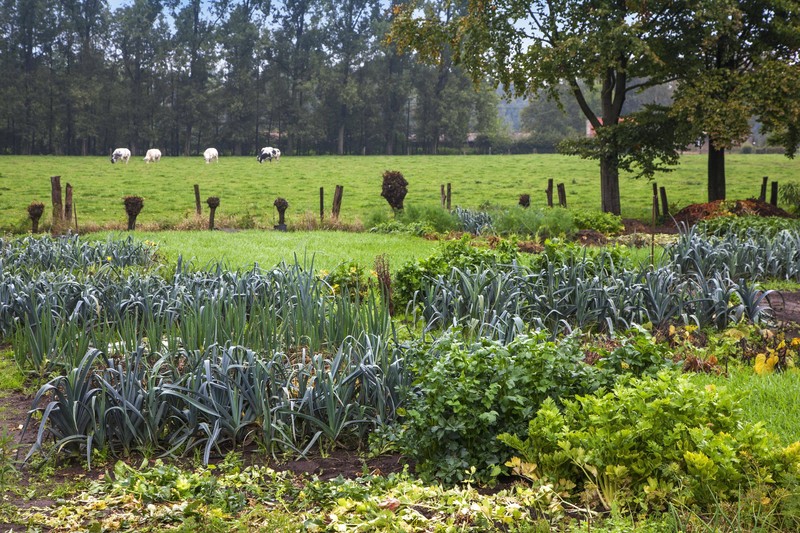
[153,155]
[269,153]
[121,154]
[210,155]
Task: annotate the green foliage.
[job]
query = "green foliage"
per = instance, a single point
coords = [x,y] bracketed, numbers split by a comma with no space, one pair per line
[606,223]
[790,195]
[437,218]
[474,222]
[451,254]
[748,225]
[471,392]
[539,223]
[651,441]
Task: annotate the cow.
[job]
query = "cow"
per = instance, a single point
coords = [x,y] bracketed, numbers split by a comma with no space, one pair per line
[269,153]
[210,155]
[153,155]
[120,154]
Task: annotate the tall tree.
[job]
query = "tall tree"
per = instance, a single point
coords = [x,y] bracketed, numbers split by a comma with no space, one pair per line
[140,36]
[744,63]
[240,39]
[531,46]
[347,36]
[193,59]
[294,57]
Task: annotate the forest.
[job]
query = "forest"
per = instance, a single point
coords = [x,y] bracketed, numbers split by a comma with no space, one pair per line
[82,77]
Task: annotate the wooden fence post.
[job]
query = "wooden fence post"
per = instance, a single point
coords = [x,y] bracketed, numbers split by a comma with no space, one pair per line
[549,192]
[321,204]
[655,197]
[443,195]
[562,195]
[55,194]
[448,196]
[197,199]
[773,197]
[664,204]
[763,195]
[68,204]
[337,202]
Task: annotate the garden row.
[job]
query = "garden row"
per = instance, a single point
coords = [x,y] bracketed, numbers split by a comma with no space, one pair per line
[287,359]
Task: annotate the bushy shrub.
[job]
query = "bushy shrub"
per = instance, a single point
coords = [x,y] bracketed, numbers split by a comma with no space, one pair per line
[395,188]
[651,441]
[606,223]
[469,393]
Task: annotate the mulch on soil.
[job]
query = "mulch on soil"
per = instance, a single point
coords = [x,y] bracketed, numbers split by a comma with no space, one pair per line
[691,214]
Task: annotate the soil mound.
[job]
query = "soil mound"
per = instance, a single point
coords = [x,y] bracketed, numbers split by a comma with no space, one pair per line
[691,214]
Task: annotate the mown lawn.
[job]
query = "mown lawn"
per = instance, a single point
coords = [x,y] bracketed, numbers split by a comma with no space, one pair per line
[247,190]
[317,249]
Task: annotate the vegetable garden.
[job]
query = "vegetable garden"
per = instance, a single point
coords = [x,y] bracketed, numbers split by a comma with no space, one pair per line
[582,387]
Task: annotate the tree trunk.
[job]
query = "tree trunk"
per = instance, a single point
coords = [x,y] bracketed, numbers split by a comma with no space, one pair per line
[609,184]
[716,172]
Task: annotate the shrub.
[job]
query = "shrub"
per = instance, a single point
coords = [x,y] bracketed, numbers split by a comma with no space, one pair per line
[651,441]
[469,393]
[606,223]
[395,188]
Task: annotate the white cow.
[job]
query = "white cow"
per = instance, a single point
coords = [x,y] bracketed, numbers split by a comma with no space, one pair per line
[269,153]
[153,155]
[121,154]
[210,155]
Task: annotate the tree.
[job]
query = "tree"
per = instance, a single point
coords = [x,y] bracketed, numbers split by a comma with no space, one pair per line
[140,35]
[294,54]
[745,64]
[347,25]
[532,46]
[240,39]
[192,58]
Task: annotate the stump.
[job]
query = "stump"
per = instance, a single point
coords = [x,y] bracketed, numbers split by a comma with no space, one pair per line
[525,200]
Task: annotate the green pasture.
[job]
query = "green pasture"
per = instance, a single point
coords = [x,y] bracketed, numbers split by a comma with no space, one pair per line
[247,190]
[314,249]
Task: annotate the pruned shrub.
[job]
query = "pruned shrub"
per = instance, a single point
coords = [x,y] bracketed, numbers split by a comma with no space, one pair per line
[395,188]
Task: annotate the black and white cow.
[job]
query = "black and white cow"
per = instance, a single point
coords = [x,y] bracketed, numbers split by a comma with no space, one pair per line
[269,153]
[121,154]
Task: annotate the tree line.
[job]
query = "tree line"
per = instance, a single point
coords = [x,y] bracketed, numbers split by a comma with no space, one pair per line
[310,76]
[728,62]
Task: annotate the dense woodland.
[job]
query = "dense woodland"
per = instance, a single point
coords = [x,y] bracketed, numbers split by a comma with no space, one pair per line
[81,77]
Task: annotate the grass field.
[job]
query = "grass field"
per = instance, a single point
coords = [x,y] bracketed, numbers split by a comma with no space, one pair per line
[327,249]
[247,190]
